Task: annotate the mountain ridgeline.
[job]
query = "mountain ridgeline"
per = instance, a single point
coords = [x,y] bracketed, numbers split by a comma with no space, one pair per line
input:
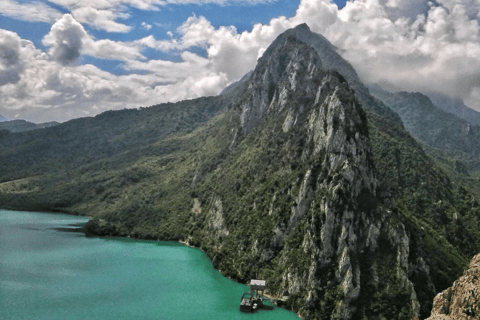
[295,174]
[454,106]
[453,141]
[23,125]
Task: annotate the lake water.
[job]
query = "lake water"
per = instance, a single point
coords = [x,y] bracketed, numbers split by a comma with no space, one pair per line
[50,274]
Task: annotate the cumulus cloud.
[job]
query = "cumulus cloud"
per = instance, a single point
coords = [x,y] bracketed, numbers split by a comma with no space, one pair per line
[15,56]
[32,12]
[222,2]
[104,15]
[113,50]
[401,44]
[9,55]
[54,86]
[102,19]
[146,26]
[438,51]
[65,40]
[68,40]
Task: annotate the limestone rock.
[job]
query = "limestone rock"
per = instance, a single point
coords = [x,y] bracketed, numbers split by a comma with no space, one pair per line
[462,300]
[336,206]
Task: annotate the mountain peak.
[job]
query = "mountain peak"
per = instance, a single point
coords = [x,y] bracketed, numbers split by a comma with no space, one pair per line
[331,60]
[287,67]
[302,26]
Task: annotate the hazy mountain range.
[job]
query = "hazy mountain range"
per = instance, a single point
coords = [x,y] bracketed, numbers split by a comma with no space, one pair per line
[454,106]
[349,204]
[23,125]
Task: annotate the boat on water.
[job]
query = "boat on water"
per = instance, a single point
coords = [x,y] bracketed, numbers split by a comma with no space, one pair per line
[254,300]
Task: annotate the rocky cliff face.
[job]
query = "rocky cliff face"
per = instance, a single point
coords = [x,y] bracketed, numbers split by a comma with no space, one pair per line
[333,242]
[462,300]
[331,61]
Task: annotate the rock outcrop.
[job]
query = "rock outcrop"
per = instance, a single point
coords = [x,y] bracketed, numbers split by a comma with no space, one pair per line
[333,241]
[462,300]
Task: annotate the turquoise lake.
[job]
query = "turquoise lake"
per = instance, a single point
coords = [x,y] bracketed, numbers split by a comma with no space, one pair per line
[47,273]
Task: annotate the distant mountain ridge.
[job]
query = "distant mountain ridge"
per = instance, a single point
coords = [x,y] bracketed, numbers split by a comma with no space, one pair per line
[454,106]
[2,118]
[453,136]
[23,125]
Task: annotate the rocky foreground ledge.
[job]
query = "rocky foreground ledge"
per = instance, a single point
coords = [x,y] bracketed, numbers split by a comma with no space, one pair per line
[462,300]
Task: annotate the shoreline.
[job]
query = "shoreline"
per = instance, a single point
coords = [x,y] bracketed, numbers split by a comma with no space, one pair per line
[108,227]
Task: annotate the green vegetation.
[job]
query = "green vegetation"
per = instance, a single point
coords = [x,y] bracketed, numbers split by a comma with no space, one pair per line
[261,203]
[441,215]
[448,139]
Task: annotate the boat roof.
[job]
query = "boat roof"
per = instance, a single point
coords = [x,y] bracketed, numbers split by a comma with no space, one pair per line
[257,284]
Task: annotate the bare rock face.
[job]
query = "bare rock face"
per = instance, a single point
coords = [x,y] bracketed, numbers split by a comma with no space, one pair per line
[462,300]
[337,244]
[292,58]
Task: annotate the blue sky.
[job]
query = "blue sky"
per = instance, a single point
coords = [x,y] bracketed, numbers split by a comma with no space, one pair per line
[62,59]
[159,23]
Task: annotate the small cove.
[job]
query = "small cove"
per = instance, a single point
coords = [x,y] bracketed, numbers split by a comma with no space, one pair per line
[49,272]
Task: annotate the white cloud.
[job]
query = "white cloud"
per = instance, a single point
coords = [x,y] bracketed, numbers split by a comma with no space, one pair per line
[32,12]
[108,49]
[104,14]
[10,67]
[222,2]
[146,26]
[44,87]
[15,56]
[68,40]
[402,44]
[437,49]
[102,19]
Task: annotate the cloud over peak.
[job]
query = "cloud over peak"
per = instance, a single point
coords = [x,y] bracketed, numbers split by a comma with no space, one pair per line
[413,45]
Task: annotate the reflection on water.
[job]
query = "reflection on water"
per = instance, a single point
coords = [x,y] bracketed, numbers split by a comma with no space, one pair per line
[48,270]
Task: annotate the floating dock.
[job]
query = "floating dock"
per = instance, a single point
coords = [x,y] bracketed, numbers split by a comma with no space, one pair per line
[254,300]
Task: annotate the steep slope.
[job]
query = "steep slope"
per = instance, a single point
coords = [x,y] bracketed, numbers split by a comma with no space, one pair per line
[121,137]
[437,212]
[456,138]
[293,197]
[288,176]
[331,60]
[440,215]
[454,106]
[462,300]
[308,192]
[439,201]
